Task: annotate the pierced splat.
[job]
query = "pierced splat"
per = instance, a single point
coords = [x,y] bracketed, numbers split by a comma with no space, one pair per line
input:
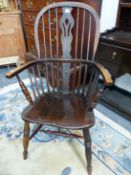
[66,21]
[66,25]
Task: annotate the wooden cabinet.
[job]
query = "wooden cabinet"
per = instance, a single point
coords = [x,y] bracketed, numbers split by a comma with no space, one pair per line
[11,37]
[114,50]
[30,8]
[115,56]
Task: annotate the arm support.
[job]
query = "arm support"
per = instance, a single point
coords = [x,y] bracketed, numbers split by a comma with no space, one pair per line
[21,68]
[99,92]
[105,74]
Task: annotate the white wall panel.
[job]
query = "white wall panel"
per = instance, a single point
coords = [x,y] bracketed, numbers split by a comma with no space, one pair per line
[108,14]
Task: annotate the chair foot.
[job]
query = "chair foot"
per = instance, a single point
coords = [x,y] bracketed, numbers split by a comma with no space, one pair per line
[89,170]
[26,140]
[88,153]
[25,155]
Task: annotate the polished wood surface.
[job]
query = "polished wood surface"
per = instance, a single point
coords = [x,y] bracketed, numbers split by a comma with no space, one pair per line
[104,72]
[67,111]
[121,37]
[26,139]
[87,139]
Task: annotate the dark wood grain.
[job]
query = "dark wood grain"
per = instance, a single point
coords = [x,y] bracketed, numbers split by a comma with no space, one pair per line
[72,114]
[88,153]
[19,69]
[26,139]
[104,72]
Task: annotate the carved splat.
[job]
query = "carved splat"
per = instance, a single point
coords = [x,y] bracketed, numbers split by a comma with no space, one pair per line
[66,25]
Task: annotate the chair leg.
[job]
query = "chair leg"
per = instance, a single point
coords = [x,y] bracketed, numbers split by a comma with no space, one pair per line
[26,139]
[87,140]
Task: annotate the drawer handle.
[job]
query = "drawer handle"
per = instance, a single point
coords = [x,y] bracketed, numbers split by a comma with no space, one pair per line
[50,2]
[54,39]
[32,32]
[0,23]
[53,22]
[29,4]
[114,55]
[31,18]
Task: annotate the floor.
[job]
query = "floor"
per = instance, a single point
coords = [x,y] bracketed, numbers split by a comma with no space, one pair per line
[102,108]
[5,81]
[125,123]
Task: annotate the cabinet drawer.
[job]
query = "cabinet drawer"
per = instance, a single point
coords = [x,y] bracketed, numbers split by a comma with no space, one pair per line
[29,18]
[30,33]
[113,58]
[7,21]
[33,5]
[112,53]
[32,49]
[31,44]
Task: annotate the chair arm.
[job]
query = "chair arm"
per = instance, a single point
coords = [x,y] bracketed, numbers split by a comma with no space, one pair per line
[19,69]
[22,67]
[105,74]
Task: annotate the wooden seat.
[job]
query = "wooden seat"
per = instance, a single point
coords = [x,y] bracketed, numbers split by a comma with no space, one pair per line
[67,111]
[61,98]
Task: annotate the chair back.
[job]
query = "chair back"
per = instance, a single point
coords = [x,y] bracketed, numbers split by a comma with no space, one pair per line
[66,37]
[67,30]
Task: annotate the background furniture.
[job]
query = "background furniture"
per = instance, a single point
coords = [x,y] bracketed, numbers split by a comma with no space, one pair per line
[30,8]
[11,35]
[63,105]
[114,52]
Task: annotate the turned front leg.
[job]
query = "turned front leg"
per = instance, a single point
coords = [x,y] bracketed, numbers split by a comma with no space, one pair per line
[26,139]
[88,152]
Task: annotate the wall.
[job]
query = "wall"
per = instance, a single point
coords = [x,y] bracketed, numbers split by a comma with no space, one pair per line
[108,14]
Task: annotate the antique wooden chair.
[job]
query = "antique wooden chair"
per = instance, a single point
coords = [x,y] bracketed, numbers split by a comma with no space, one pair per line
[66,65]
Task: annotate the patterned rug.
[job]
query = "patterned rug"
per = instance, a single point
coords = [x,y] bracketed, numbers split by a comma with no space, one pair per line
[53,155]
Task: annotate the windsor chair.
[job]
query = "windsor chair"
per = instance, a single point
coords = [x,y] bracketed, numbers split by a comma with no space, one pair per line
[68,70]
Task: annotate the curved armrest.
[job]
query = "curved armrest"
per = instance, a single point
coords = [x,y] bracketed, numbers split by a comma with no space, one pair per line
[19,69]
[105,74]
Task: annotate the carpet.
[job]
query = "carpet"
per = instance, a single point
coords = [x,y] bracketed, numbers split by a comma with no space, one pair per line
[55,155]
